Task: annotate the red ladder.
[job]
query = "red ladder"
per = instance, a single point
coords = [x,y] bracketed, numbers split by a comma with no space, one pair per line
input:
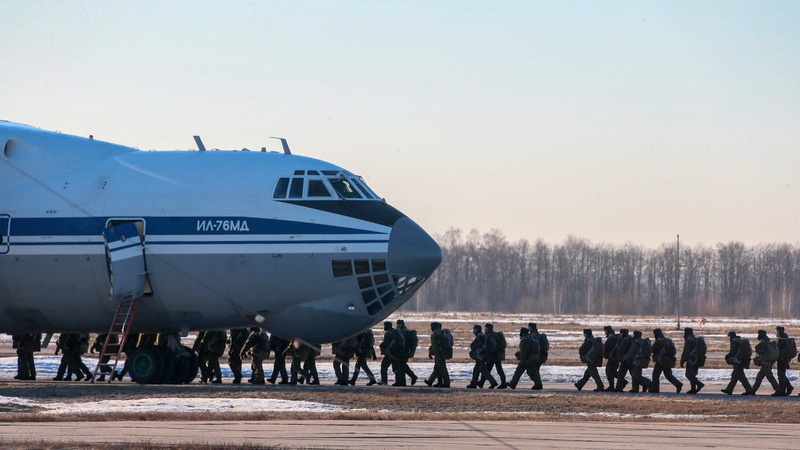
[120,327]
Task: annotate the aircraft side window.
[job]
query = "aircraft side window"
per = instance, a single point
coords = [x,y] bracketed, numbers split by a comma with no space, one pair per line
[317,188]
[296,190]
[281,188]
[362,189]
[344,188]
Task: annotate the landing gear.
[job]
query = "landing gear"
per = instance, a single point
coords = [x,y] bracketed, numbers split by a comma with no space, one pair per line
[170,364]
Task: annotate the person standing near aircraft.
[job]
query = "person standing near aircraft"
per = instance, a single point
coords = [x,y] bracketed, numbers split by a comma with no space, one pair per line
[610,353]
[26,344]
[788,350]
[693,356]
[591,354]
[214,348]
[528,357]
[638,358]
[202,355]
[238,337]
[664,353]
[258,341]
[365,349]
[494,352]
[391,346]
[310,364]
[280,347]
[343,352]
[624,341]
[476,353]
[544,349]
[739,358]
[766,354]
[299,355]
[439,352]
[97,346]
[410,343]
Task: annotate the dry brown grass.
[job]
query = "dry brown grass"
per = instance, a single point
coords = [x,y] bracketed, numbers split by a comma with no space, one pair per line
[44,445]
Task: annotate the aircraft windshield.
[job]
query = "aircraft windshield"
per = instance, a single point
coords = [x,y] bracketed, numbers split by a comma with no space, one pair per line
[344,188]
[331,184]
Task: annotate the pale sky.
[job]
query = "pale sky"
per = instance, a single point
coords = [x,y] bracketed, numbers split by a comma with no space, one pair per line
[612,121]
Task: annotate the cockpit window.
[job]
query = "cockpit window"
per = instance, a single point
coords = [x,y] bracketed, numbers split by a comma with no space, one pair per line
[317,188]
[296,190]
[361,188]
[344,188]
[282,188]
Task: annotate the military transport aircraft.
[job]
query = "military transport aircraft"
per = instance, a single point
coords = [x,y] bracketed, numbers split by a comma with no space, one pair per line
[207,239]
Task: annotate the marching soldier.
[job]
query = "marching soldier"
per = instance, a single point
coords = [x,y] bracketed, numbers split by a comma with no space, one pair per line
[610,353]
[236,341]
[739,358]
[766,354]
[528,357]
[693,359]
[591,354]
[476,353]
[281,347]
[624,341]
[258,341]
[787,353]
[391,347]
[365,349]
[439,352]
[664,353]
[540,342]
[494,352]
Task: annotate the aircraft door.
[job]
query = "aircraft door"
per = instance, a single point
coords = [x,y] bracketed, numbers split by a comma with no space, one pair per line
[125,256]
[5,232]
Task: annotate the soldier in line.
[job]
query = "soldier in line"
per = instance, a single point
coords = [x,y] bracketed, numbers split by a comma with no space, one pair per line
[365,349]
[765,357]
[624,341]
[540,339]
[26,344]
[410,343]
[391,347]
[664,353]
[787,353]
[257,345]
[591,354]
[238,337]
[739,358]
[97,346]
[197,346]
[693,360]
[280,347]
[214,348]
[528,357]
[610,353]
[476,353]
[439,352]
[494,352]
[299,355]
[638,358]
[128,345]
[310,363]
[343,352]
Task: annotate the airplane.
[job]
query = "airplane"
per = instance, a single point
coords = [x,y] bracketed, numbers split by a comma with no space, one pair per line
[207,239]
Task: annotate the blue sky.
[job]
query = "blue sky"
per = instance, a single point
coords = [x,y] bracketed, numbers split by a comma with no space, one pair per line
[612,121]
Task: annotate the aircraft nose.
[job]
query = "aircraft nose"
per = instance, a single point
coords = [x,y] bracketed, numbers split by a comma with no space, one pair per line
[412,252]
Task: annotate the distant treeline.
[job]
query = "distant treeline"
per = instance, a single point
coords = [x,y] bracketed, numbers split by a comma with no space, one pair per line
[486,272]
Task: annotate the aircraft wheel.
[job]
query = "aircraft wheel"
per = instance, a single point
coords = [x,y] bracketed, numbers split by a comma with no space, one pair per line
[192,366]
[146,365]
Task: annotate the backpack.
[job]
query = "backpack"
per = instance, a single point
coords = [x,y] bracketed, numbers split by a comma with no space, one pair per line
[534,348]
[772,352]
[411,342]
[448,343]
[790,349]
[669,347]
[643,356]
[745,351]
[595,356]
[500,351]
[544,348]
[700,351]
[490,344]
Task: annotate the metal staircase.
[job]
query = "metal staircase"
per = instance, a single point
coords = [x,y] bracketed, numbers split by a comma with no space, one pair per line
[120,327]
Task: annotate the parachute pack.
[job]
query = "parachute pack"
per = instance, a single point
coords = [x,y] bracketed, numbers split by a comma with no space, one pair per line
[701,349]
[411,342]
[595,356]
[791,348]
[669,348]
[643,356]
[500,351]
[448,343]
[772,352]
[544,348]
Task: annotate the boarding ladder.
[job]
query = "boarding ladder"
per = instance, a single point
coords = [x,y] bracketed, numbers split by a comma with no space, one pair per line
[120,327]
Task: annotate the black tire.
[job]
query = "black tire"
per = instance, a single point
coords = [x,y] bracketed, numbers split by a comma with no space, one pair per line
[192,366]
[146,365]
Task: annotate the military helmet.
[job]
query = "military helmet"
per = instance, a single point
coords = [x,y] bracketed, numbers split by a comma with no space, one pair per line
[532,327]
[523,332]
[488,327]
[401,323]
[623,331]
[658,333]
[608,329]
[387,325]
[731,334]
[476,328]
[762,335]
[779,329]
[637,334]
[688,332]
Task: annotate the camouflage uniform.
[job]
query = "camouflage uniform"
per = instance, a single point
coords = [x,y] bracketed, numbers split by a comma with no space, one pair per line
[528,359]
[238,337]
[784,361]
[689,357]
[280,347]
[593,358]
[664,362]
[258,341]
[476,353]
[343,352]
[438,351]
[765,370]
[739,361]
[624,341]
[365,349]
[610,353]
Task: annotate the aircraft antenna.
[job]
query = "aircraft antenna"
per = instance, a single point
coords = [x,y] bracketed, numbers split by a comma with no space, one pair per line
[199,143]
[284,144]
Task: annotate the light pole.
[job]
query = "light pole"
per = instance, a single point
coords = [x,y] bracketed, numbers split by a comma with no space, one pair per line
[678,279]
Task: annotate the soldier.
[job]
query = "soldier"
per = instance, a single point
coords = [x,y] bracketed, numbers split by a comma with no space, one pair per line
[392,345]
[343,352]
[202,355]
[439,352]
[214,348]
[591,354]
[476,353]
[310,364]
[410,344]
[528,357]
[494,352]
[258,341]
[638,358]
[97,346]
[544,348]
[281,348]
[693,360]
[787,353]
[664,353]
[26,344]
[365,349]
[766,354]
[739,357]
[128,345]
[624,341]
[236,342]
[299,355]
[610,353]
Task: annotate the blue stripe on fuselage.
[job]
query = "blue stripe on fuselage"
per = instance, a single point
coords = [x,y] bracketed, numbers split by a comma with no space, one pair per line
[87,226]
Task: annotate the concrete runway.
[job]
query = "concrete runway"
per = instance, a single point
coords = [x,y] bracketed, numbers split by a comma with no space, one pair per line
[368,434]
